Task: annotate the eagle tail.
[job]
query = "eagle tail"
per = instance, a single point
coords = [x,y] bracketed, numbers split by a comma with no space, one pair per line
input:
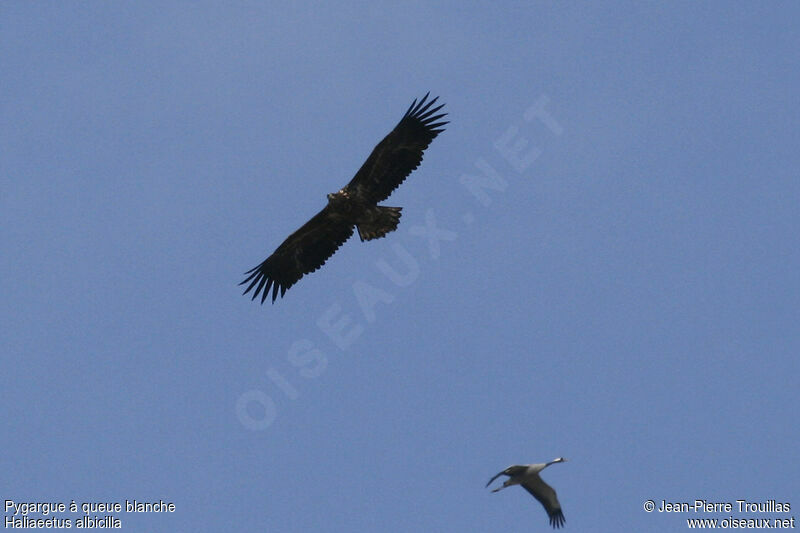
[381,220]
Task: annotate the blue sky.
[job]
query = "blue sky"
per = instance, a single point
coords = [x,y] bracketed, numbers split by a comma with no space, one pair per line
[622,288]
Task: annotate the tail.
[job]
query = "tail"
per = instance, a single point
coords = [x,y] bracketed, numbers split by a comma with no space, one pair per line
[379,221]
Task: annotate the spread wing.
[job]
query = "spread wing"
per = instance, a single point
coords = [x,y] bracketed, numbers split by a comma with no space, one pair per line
[547,497]
[510,471]
[399,153]
[303,252]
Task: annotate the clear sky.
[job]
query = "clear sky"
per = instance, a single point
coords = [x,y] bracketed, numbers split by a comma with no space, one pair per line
[597,260]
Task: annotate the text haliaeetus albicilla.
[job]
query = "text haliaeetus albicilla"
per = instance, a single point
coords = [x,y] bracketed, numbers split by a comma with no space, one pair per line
[356,205]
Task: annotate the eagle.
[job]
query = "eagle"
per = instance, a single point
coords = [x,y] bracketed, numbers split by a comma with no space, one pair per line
[355,206]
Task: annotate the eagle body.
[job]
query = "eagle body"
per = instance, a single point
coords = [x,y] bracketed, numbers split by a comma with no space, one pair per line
[372,221]
[355,206]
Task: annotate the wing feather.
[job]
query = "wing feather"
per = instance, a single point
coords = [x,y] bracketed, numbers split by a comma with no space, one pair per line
[512,470]
[399,153]
[303,252]
[547,497]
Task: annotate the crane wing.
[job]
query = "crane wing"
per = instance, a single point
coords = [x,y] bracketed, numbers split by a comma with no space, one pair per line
[512,470]
[547,497]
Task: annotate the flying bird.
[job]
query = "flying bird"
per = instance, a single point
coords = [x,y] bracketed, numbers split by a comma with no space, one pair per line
[353,206]
[528,477]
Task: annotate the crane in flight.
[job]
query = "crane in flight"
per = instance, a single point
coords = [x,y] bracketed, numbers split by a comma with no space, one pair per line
[528,477]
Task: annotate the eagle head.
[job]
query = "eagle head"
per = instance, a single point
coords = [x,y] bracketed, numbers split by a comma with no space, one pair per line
[338,196]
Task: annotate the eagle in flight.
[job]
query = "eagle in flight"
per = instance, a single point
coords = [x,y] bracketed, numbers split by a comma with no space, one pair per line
[353,206]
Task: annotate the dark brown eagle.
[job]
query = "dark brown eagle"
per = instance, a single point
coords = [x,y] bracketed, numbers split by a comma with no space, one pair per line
[355,205]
